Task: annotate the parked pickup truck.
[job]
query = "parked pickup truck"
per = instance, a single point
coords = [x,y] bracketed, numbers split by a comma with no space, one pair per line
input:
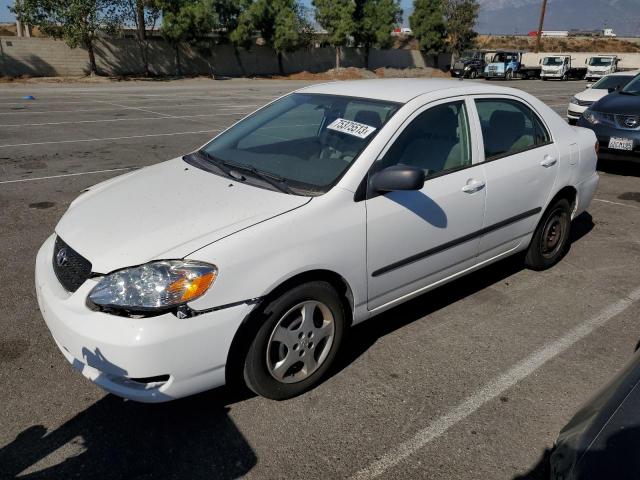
[508,65]
[559,67]
[600,65]
[470,64]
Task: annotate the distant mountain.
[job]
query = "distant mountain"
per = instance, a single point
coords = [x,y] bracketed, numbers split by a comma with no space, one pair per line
[521,16]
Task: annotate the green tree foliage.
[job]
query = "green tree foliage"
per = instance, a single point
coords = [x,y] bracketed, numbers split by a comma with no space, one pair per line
[375,20]
[337,18]
[77,22]
[186,21]
[281,24]
[427,23]
[461,17]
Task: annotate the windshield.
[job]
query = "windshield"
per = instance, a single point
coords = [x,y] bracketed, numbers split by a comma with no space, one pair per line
[306,140]
[633,86]
[612,81]
[599,62]
[552,61]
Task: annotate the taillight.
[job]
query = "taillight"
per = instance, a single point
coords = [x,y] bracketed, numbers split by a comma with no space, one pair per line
[597,147]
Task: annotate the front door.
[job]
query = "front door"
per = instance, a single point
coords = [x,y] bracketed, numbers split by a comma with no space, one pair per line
[417,238]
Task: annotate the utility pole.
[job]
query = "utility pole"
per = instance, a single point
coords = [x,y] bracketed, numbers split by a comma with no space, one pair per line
[542,12]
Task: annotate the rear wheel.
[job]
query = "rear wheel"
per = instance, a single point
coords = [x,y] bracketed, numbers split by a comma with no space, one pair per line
[550,240]
[297,342]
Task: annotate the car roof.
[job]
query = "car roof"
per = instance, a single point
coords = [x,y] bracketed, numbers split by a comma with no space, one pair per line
[399,90]
[630,73]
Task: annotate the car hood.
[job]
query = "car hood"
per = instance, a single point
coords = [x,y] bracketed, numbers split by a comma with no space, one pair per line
[618,103]
[168,210]
[592,94]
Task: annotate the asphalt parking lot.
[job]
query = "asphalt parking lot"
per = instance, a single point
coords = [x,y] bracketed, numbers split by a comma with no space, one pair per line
[473,380]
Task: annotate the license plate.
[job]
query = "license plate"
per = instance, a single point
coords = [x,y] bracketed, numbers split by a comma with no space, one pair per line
[618,143]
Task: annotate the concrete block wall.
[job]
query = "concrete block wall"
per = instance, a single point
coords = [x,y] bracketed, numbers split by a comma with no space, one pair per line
[48,57]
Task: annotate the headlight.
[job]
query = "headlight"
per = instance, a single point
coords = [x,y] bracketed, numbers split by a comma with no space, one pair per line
[575,101]
[467,67]
[154,286]
[590,116]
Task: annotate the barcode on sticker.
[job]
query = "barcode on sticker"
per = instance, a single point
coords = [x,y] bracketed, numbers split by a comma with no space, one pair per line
[349,127]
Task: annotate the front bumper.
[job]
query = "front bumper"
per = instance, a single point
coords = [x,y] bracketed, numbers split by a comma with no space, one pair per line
[574,111]
[493,74]
[604,134]
[188,355]
[544,74]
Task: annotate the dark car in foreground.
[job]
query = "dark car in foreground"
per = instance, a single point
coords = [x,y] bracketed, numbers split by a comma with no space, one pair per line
[615,119]
[602,441]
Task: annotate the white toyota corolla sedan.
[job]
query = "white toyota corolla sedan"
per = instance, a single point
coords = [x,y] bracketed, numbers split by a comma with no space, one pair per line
[249,258]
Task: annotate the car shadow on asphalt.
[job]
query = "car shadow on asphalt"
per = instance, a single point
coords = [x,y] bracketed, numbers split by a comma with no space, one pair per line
[193,438]
[364,335]
[619,167]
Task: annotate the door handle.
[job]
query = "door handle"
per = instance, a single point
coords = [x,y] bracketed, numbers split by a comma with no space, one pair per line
[473,186]
[548,161]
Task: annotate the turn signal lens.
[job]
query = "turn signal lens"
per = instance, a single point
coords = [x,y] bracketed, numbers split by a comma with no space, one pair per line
[191,288]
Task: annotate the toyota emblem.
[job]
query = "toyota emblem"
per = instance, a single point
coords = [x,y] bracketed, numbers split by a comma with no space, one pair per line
[61,257]
[631,122]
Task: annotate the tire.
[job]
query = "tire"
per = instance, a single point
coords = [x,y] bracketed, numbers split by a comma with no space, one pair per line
[550,240]
[473,74]
[508,75]
[565,77]
[283,360]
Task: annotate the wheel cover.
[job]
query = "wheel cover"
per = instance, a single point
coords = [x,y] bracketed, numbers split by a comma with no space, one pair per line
[300,342]
[554,233]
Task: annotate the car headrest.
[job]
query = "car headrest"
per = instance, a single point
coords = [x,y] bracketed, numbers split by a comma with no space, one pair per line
[368,117]
[507,123]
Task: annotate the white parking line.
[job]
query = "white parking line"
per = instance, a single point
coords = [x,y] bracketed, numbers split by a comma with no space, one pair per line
[495,388]
[20,180]
[108,138]
[615,203]
[155,107]
[109,120]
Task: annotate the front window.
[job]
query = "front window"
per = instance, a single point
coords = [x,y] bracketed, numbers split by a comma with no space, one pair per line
[600,62]
[612,81]
[306,141]
[552,61]
[436,141]
[633,87]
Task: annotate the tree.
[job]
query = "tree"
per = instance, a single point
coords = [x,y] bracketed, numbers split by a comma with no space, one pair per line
[186,21]
[375,20]
[281,24]
[337,18]
[77,22]
[427,23]
[144,15]
[460,17]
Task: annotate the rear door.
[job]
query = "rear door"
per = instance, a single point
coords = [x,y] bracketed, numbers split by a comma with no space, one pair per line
[520,165]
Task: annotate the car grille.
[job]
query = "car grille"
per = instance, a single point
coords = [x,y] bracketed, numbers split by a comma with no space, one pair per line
[458,65]
[628,122]
[71,268]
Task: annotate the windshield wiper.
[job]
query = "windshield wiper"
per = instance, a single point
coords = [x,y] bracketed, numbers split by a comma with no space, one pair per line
[273,180]
[227,168]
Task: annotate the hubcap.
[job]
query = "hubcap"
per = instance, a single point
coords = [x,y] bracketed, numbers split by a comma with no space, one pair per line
[554,233]
[300,342]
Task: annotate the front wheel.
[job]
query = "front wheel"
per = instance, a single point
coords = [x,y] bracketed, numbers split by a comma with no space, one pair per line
[550,240]
[509,75]
[473,74]
[297,342]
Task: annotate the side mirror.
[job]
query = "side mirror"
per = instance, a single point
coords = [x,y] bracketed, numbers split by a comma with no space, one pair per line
[540,62]
[398,177]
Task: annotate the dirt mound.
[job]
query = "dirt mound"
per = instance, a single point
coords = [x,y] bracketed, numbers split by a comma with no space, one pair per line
[563,44]
[353,73]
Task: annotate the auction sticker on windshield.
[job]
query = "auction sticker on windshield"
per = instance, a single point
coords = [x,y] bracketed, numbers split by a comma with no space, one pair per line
[621,143]
[350,127]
